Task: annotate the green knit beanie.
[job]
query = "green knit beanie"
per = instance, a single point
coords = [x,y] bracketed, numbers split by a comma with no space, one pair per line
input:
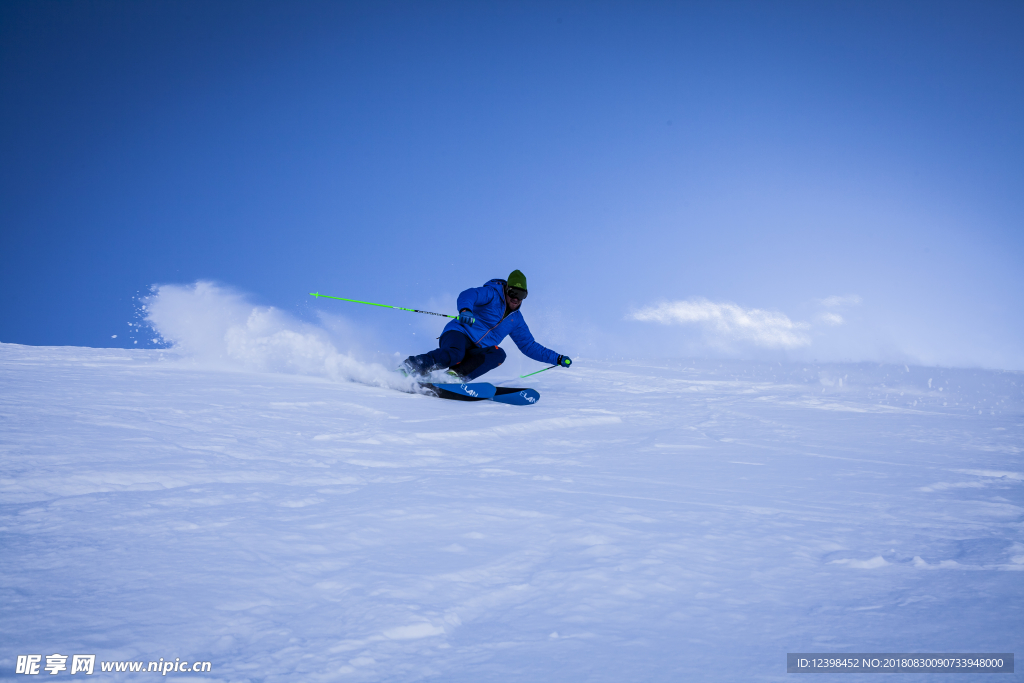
[517,279]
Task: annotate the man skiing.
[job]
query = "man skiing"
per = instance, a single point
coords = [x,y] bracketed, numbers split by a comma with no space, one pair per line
[469,344]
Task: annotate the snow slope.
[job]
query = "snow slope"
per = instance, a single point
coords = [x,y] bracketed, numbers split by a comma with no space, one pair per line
[643,522]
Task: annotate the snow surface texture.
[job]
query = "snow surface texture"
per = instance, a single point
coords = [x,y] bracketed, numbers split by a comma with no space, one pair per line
[643,522]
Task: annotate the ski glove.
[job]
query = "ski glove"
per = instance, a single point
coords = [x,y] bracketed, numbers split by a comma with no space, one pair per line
[564,361]
[465,318]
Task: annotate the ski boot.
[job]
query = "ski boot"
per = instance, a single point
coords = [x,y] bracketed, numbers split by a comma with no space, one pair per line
[410,368]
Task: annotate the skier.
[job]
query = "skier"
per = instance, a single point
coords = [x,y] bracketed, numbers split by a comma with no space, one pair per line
[469,344]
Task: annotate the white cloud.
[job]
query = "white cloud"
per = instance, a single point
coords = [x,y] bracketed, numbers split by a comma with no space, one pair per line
[874,563]
[832,318]
[729,322]
[836,301]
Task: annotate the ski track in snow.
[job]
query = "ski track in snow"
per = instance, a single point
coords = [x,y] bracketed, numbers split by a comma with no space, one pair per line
[642,522]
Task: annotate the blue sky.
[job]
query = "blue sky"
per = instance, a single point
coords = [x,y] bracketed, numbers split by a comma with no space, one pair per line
[673,178]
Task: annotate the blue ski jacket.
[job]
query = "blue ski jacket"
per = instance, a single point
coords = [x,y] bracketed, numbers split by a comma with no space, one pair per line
[490,328]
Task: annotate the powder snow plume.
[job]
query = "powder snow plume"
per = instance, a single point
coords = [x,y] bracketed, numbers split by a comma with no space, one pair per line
[215,326]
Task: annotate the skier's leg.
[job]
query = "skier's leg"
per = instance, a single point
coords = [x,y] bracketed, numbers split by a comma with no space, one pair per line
[451,349]
[480,361]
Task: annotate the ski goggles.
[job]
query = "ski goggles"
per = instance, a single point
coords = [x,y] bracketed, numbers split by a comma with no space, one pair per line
[516,293]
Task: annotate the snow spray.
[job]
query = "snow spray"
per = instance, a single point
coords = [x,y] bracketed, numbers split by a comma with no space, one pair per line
[211,325]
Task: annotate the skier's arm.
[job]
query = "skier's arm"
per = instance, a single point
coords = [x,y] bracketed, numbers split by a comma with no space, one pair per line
[523,338]
[472,297]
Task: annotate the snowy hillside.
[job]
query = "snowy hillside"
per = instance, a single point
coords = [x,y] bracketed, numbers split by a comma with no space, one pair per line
[644,522]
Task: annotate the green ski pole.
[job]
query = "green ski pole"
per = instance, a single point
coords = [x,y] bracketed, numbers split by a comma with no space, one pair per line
[370,303]
[538,372]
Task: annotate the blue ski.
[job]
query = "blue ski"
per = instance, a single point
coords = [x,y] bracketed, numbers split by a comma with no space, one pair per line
[464,391]
[481,391]
[516,397]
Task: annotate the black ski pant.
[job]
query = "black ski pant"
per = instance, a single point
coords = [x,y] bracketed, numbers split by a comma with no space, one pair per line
[458,352]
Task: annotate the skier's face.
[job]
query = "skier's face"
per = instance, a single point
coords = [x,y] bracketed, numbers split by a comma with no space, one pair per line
[513,303]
